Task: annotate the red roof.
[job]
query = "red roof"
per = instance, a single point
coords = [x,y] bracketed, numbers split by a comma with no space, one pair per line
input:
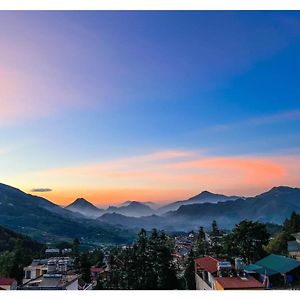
[97,270]
[6,281]
[238,283]
[207,263]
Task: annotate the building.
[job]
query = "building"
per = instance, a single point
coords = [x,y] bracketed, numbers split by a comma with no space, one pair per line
[50,274]
[52,252]
[275,271]
[8,283]
[37,268]
[216,274]
[294,247]
[99,273]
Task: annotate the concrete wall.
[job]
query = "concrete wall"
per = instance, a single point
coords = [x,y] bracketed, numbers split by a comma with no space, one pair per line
[201,284]
[73,285]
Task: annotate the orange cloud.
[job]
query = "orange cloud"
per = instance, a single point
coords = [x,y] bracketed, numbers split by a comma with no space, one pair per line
[167,175]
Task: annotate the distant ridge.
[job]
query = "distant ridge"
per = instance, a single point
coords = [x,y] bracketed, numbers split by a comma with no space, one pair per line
[203,197]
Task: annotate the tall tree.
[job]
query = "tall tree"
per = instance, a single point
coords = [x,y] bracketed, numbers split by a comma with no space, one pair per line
[215,243]
[202,246]
[84,267]
[189,273]
[248,240]
[292,225]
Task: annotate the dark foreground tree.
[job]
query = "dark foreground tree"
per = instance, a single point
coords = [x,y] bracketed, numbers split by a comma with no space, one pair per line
[148,264]
[247,240]
[189,274]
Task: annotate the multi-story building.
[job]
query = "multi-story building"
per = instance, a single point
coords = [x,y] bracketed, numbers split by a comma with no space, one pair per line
[54,273]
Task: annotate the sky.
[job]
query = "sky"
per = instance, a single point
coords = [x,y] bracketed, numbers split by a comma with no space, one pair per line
[149,106]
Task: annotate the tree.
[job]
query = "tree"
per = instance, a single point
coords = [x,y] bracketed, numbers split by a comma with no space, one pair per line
[292,225]
[215,247]
[278,245]
[76,253]
[202,245]
[6,263]
[189,273]
[148,264]
[215,229]
[84,268]
[247,240]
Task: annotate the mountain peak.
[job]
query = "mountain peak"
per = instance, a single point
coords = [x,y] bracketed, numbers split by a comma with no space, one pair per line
[281,188]
[81,203]
[206,193]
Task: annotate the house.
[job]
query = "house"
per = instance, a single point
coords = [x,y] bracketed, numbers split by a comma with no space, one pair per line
[58,276]
[217,274]
[294,247]
[40,267]
[8,283]
[99,272]
[37,268]
[275,271]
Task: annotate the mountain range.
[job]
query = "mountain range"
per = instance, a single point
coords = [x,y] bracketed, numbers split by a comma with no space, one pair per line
[44,220]
[128,208]
[272,206]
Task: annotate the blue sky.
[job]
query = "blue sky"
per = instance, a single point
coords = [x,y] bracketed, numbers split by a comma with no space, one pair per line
[92,88]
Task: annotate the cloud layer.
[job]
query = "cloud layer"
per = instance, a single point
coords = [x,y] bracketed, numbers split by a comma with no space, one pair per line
[169,175]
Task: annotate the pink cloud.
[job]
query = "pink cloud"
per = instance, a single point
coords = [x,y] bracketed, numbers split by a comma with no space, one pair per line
[186,171]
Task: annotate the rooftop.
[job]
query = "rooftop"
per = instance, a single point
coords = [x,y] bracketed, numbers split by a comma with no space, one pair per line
[6,281]
[49,282]
[239,283]
[273,264]
[207,263]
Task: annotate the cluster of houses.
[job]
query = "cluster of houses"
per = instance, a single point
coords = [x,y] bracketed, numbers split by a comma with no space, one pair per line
[56,270]
[50,273]
[53,273]
[271,272]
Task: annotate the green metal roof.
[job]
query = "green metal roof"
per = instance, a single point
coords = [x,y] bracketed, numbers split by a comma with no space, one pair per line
[273,264]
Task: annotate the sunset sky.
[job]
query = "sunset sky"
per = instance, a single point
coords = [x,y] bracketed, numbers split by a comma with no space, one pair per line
[159,106]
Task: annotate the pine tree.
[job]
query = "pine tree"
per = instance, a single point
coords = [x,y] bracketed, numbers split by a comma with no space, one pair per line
[189,274]
[84,267]
[202,246]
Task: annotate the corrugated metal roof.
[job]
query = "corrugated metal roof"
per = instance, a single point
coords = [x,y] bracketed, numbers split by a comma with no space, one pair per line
[207,263]
[238,283]
[274,264]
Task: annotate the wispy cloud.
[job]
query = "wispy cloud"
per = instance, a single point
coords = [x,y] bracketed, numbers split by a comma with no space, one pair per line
[282,117]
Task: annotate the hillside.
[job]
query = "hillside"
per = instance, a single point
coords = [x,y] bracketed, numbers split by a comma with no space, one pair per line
[9,240]
[45,221]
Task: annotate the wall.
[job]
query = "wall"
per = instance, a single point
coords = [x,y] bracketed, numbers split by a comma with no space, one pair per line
[201,284]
